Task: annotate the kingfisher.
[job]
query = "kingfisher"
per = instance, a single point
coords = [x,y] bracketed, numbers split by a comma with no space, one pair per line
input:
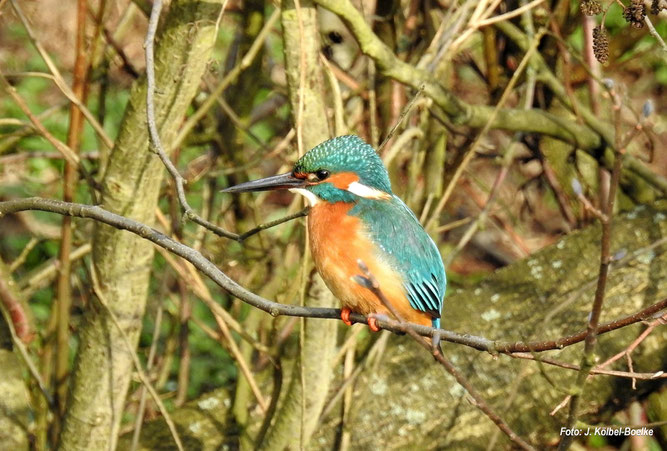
[354,216]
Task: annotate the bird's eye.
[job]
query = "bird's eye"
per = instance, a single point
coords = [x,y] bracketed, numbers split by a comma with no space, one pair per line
[322,174]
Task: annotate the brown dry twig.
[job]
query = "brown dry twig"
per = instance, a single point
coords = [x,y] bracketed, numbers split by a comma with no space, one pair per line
[370,282]
[179,181]
[588,357]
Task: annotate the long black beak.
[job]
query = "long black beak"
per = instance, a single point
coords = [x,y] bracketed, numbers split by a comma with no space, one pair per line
[282,181]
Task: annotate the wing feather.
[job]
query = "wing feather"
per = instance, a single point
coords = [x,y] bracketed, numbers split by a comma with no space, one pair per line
[406,246]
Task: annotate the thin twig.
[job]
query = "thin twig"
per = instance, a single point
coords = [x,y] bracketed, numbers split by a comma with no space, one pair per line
[224,321]
[652,325]
[141,410]
[372,284]
[596,370]
[655,34]
[508,15]
[470,153]
[228,79]
[508,158]
[406,110]
[59,80]
[267,225]
[61,147]
[197,286]
[18,261]
[588,357]
[179,181]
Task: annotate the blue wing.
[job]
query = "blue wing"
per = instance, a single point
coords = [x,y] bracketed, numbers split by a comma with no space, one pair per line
[408,249]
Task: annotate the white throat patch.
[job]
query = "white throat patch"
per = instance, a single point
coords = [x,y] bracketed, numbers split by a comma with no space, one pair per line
[310,197]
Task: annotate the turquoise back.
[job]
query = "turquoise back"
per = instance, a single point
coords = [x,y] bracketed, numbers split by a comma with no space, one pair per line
[404,244]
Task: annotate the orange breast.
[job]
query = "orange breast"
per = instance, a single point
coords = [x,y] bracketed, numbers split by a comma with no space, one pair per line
[337,241]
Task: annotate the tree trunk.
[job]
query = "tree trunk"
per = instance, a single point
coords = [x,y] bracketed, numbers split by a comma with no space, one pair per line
[302,48]
[123,261]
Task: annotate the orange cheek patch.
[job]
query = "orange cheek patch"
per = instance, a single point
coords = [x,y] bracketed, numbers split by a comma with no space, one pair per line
[342,180]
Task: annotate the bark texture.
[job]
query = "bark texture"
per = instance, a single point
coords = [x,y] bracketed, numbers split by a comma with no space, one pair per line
[122,261]
[302,54]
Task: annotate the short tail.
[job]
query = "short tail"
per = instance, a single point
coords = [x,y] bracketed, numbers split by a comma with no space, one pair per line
[435,339]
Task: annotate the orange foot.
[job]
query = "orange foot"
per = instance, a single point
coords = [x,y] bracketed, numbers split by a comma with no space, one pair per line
[345,315]
[373,324]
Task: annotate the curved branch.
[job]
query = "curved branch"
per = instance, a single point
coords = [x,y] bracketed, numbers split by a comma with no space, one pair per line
[277,309]
[458,111]
[605,130]
[588,137]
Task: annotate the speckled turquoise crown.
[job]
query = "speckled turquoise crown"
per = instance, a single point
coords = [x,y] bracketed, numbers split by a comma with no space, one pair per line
[347,154]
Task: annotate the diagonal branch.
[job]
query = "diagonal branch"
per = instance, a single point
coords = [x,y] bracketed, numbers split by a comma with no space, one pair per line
[588,137]
[371,283]
[458,111]
[179,181]
[592,120]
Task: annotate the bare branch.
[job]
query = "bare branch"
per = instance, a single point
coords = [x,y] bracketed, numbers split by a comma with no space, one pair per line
[179,181]
[458,111]
[370,282]
[276,309]
[588,357]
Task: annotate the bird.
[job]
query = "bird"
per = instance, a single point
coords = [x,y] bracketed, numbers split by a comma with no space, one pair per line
[354,216]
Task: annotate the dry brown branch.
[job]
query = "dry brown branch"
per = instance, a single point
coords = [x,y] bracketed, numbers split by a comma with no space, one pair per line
[588,357]
[369,281]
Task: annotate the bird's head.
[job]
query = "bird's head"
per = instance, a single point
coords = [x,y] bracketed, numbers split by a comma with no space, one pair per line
[338,170]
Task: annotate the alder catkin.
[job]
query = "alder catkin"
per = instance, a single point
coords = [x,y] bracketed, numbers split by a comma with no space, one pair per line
[635,12]
[600,44]
[590,7]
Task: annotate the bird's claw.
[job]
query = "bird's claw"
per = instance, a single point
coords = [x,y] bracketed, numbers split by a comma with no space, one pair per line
[345,313]
[373,324]
[345,316]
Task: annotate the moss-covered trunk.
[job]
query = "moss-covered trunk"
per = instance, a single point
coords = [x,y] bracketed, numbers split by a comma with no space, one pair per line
[411,402]
[123,261]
